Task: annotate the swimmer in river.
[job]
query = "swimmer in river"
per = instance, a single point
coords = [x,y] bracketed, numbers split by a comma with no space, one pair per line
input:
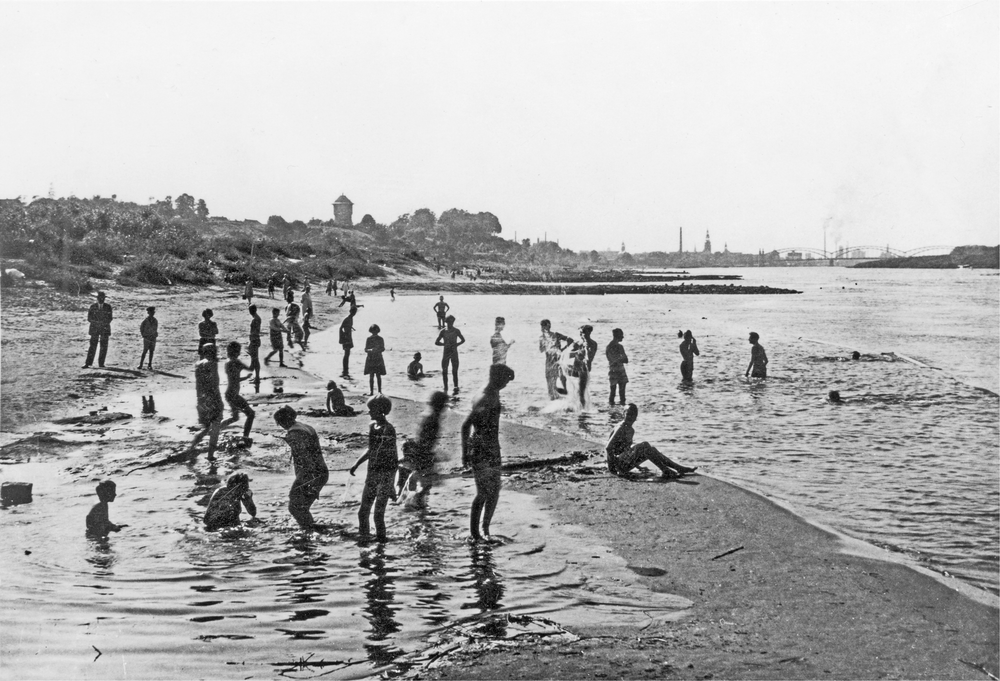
[617,359]
[98,523]
[623,456]
[834,397]
[415,369]
[481,450]
[227,502]
[855,355]
[441,309]
[383,461]
[450,338]
[237,402]
[499,345]
[311,472]
[335,403]
[758,358]
[689,348]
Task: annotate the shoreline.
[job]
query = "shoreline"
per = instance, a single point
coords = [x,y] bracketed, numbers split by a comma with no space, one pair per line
[558,288]
[876,617]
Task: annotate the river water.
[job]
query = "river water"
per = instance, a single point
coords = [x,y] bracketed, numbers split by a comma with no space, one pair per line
[908,462]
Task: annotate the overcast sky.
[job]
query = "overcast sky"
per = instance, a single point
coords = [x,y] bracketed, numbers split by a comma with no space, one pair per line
[592,123]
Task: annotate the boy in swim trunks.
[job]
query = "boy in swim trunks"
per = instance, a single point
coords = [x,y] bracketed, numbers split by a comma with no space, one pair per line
[98,523]
[233,377]
[311,472]
[481,450]
[450,338]
[623,456]
[224,508]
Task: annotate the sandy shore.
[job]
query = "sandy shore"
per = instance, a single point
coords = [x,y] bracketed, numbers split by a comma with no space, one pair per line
[788,600]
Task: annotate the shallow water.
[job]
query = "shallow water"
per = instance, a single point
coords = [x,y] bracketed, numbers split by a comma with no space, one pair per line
[908,462]
[164,598]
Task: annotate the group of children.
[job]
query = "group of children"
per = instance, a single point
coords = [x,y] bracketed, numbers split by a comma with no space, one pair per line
[387,476]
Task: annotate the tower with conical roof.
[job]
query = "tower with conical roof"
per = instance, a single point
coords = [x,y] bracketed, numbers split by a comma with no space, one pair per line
[343,211]
[708,243]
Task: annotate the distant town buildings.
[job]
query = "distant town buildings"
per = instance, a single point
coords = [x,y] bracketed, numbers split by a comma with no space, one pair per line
[343,211]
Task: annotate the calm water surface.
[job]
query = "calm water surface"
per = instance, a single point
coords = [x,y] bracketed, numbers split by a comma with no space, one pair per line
[908,462]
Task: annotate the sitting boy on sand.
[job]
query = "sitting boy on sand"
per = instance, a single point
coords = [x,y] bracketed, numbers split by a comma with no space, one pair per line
[335,403]
[224,508]
[415,369]
[623,456]
[98,523]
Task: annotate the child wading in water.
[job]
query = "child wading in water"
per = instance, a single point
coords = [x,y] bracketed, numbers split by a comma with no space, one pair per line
[374,364]
[98,523]
[335,403]
[382,463]
[236,401]
[224,508]
[417,465]
[481,449]
[415,369]
[311,472]
[209,399]
[758,359]
[617,359]
[276,331]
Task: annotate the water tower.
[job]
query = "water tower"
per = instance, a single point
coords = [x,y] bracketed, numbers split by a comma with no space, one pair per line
[342,212]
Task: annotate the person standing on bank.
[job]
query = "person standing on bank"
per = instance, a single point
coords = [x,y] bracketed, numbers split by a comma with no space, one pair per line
[149,330]
[347,338]
[99,316]
[207,329]
[689,348]
[450,338]
[758,358]
[481,450]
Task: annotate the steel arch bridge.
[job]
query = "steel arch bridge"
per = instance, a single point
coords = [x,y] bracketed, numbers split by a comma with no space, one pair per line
[893,252]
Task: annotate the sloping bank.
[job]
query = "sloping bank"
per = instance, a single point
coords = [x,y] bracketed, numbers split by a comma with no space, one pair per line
[794,601]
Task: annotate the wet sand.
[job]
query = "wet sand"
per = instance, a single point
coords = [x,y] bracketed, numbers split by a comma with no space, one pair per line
[790,601]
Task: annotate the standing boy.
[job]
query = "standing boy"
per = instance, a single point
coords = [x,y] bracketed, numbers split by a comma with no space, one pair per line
[347,338]
[499,345]
[450,338]
[253,348]
[441,309]
[481,450]
[758,358]
[149,329]
[617,359]
[237,403]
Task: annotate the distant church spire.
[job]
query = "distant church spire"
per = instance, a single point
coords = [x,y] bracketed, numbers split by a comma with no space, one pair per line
[708,243]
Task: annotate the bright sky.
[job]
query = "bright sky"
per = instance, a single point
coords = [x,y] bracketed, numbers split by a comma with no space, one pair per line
[593,123]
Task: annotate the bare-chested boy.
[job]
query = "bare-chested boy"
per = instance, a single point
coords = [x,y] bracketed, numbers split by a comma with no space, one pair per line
[481,449]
